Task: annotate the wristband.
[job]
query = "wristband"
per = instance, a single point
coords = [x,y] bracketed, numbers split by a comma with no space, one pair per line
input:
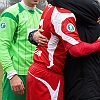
[30,37]
[11,74]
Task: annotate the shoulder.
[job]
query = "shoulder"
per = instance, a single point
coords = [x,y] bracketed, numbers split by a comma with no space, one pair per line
[11,13]
[38,10]
[62,14]
[14,10]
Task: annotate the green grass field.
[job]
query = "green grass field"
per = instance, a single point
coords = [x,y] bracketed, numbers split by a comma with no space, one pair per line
[1,73]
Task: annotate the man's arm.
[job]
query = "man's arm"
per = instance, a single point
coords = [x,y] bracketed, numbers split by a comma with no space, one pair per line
[84,48]
[7,29]
[78,50]
[36,37]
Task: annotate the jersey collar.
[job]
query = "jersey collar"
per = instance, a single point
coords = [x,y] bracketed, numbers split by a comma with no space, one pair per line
[27,7]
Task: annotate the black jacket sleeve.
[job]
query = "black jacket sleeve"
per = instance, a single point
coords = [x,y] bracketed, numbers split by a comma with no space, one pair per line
[30,37]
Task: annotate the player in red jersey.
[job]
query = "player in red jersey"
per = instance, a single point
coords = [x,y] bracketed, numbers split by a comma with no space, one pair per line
[45,75]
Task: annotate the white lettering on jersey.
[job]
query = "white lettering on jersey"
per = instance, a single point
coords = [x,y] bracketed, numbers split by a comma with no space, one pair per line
[53,93]
[52,44]
[38,52]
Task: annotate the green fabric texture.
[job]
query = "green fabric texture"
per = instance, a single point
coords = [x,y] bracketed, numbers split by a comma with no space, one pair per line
[16,52]
[8,94]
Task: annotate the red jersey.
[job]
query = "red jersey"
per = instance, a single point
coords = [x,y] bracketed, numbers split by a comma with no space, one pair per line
[60,29]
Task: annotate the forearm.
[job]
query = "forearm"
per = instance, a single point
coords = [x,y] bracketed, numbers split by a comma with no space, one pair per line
[5,58]
[7,62]
[83,48]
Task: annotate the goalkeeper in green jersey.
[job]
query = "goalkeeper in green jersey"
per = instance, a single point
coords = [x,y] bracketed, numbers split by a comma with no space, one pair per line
[16,51]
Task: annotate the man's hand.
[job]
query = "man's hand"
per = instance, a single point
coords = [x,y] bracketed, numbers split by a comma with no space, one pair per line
[17,85]
[99,38]
[98,20]
[39,38]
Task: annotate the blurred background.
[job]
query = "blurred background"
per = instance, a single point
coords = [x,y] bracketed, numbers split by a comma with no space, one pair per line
[6,3]
[3,5]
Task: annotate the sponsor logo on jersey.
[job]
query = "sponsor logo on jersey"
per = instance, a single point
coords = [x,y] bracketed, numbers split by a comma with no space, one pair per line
[70,27]
[3,25]
[25,19]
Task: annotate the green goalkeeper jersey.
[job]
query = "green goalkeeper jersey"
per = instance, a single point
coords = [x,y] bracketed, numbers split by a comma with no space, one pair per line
[16,52]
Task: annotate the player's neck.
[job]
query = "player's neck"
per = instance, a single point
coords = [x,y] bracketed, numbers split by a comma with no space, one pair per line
[27,7]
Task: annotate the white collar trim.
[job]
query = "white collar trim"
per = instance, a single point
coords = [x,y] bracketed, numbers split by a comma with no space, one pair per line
[27,7]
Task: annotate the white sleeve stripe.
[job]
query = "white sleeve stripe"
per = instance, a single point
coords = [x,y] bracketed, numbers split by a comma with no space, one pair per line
[57,25]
